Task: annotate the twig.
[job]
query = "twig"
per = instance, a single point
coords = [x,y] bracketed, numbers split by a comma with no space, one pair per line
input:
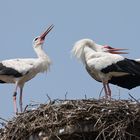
[132,135]
[4,119]
[85,97]
[66,95]
[58,137]
[101,133]
[101,92]
[119,93]
[2,123]
[49,98]
[97,121]
[25,108]
[134,98]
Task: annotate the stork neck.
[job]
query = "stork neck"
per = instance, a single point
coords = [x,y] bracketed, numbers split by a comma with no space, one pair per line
[40,52]
[88,54]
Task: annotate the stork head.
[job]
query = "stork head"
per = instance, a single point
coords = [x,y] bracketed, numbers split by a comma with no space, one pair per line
[114,50]
[40,39]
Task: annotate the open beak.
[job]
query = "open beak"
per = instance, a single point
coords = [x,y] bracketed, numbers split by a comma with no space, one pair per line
[115,50]
[43,35]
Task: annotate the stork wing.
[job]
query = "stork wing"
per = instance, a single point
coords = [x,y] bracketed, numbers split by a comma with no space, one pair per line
[131,76]
[126,81]
[16,67]
[128,66]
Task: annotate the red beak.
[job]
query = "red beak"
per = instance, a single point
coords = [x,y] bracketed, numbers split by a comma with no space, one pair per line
[43,35]
[115,50]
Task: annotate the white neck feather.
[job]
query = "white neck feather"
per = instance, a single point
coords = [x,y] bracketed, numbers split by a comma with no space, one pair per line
[79,48]
[40,52]
[43,57]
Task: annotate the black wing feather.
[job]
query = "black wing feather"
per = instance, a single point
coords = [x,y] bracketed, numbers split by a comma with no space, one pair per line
[9,71]
[127,65]
[126,81]
[131,67]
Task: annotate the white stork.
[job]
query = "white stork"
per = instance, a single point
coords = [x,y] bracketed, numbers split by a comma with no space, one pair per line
[105,65]
[19,71]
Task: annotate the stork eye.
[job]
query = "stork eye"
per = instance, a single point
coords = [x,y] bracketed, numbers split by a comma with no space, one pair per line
[108,47]
[36,38]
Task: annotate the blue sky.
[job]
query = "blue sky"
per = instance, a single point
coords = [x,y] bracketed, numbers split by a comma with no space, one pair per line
[116,23]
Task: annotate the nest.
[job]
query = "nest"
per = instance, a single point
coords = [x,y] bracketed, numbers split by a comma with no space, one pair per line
[76,119]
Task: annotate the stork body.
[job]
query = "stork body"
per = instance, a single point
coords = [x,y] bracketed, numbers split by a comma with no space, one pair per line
[19,71]
[105,65]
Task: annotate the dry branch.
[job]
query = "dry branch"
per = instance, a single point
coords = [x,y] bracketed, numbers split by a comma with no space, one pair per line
[76,119]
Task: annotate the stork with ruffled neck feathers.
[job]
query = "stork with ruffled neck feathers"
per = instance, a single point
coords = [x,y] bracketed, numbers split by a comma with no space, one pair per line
[104,64]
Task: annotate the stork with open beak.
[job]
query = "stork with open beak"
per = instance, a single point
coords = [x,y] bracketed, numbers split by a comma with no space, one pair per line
[19,71]
[105,65]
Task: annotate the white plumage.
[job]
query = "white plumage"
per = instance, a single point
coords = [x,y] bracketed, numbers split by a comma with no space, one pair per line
[28,68]
[94,55]
[19,71]
[105,65]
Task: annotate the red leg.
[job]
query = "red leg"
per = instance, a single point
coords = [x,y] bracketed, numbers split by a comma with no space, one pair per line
[14,99]
[105,89]
[14,102]
[109,90]
[20,99]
